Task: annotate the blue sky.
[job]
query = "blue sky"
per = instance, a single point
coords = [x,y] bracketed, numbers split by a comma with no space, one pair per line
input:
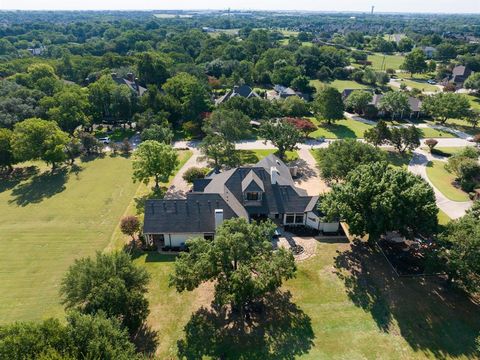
[437,6]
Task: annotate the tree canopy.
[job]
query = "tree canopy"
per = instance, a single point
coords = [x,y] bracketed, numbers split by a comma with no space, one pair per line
[328,105]
[109,284]
[154,159]
[376,198]
[240,260]
[282,134]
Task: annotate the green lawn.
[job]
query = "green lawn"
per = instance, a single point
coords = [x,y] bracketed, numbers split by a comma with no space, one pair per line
[474,101]
[435,133]
[383,62]
[420,85]
[345,304]
[398,160]
[443,219]
[48,221]
[116,135]
[249,157]
[445,151]
[443,180]
[340,85]
[346,128]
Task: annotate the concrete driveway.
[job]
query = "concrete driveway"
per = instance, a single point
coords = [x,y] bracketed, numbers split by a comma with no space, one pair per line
[309,176]
[179,187]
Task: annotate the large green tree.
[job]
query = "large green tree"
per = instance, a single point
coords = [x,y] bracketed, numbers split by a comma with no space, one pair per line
[154,159]
[446,105]
[358,100]
[376,198]
[342,156]
[109,284]
[395,103]
[415,62]
[328,105]
[37,139]
[6,153]
[191,93]
[240,261]
[283,135]
[69,108]
[232,125]
[219,150]
[83,337]
[378,135]
[473,82]
[460,251]
[153,68]
[404,138]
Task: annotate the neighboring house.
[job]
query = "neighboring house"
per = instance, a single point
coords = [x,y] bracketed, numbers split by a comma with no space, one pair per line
[460,73]
[263,191]
[131,81]
[282,92]
[429,51]
[243,91]
[37,51]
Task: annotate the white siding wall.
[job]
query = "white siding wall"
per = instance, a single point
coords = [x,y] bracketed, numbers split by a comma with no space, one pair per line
[312,220]
[178,239]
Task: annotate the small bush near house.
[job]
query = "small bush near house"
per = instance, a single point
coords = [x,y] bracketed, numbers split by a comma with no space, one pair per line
[194,173]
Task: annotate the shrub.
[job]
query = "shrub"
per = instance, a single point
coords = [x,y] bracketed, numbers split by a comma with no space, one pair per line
[125,147]
[449,88]
[194,173]
[130,225]
[306,126]
[191,128]
[431,143]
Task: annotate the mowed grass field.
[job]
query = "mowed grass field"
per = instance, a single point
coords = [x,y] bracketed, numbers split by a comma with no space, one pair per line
[48,221]
[346,303]
[383,62]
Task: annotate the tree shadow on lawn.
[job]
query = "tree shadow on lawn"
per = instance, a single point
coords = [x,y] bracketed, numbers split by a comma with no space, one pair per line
[340,131]
[280,331]
[146,341]
[40,187]
[8,180]
[431,317]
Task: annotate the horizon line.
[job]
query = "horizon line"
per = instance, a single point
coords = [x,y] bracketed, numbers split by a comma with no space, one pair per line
[256,10]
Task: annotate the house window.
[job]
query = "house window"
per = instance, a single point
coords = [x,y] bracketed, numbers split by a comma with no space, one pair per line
[299,219]
[253,196]
[208,236]
[290,219]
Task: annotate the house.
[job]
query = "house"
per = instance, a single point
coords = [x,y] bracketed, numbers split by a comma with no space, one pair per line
[282,92]
[37,51]
[460,73]
[263,191]
[429,51]
[131,81]
[243,91]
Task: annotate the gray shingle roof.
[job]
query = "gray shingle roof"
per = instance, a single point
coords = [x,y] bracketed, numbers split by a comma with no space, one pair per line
[225,191]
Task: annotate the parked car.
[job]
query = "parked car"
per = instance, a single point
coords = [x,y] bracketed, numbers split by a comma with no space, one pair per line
[431,82]
[470,138]
[321,139]
[105,140]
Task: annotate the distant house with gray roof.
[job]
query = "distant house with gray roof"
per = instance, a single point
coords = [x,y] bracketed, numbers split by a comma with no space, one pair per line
[460,73]
[243,91]
[263,191]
